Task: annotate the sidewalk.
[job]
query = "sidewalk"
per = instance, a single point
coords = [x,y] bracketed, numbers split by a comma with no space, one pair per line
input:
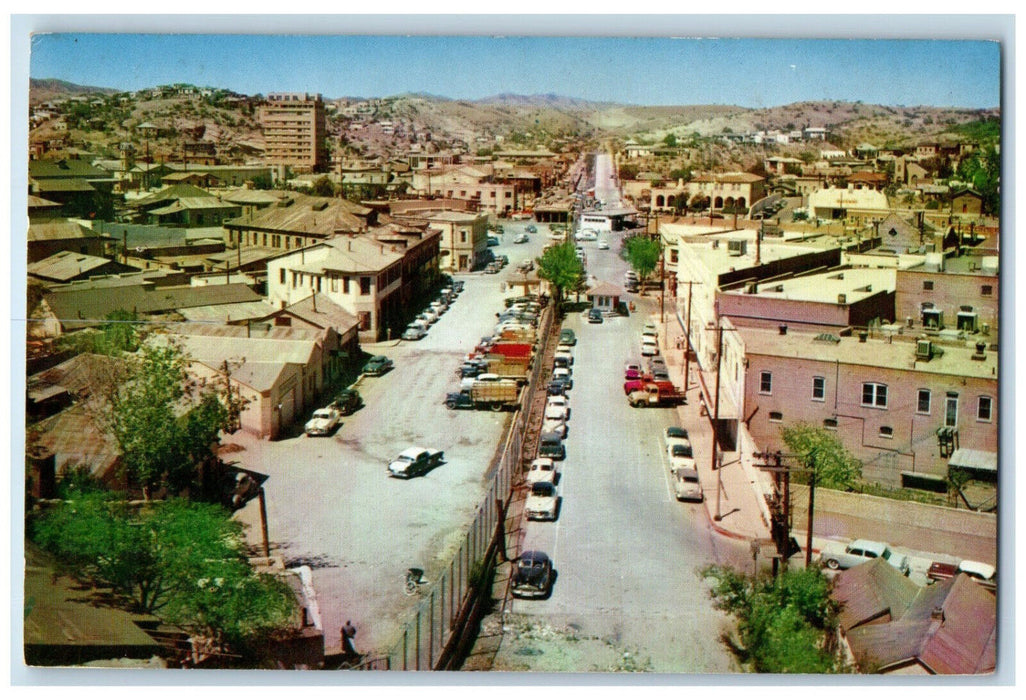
[738,511]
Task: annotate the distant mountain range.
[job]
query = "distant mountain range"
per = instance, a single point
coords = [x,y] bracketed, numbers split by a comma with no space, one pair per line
[44,89]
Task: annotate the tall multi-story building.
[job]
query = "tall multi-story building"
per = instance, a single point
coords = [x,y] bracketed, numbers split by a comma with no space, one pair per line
[295,131]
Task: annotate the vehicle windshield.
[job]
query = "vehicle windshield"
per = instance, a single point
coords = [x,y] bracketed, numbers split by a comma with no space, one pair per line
[681,451]
[542,488]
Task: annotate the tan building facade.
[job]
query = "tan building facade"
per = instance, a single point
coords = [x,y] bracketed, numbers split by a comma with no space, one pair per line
[295,129]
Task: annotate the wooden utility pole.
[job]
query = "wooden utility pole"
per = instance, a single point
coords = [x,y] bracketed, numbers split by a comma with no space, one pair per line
[716,419]
[781,527]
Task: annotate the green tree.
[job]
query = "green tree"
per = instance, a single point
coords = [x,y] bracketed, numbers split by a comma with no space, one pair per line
[818,450]
[165,424]
[680,174]
[323,187]
[982,169]
[642,254]
[628,171]
[670,140]
[560,266]
[785,624]
[119,333]
[183,562]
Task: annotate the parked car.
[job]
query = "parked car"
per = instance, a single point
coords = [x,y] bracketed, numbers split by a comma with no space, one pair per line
[681,457]
[859,552]
[603,245]
[555,426]
[563,373]
[492,268]
[429,315]
[687,486]
[414,333]
[632,370]
[586,234]
[562,358]
[594,316]
[551,445]
[531,228]
[323,421]
[493,240]
[532,575]
[561,402]
[377,365]
[521,238]
[542,469]
[984,574]
[557,387]
[674,435]
[650,331]
[567,337]
[542,501]
[347,401]
[414,461]
[649,347]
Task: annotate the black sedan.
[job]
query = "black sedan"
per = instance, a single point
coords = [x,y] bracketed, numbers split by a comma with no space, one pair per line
[532,577]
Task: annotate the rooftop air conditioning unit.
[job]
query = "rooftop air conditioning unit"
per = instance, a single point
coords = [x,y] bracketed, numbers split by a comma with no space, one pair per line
[924,349]
[842,298]
[736,248]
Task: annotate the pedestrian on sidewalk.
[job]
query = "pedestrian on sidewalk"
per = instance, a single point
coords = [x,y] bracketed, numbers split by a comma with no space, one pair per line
[348,632]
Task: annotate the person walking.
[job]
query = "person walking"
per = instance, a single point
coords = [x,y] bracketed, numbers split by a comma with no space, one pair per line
[348,632]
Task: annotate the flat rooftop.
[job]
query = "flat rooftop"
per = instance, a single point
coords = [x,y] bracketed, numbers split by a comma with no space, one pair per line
[875,352]
[855,283]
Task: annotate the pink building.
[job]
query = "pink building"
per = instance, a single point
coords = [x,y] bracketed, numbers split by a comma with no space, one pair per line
[885,397]
[959,293]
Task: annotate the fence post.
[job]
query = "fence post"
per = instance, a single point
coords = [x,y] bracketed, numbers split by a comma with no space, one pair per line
[406,644]
[417,665]
[452,609]
[431,631]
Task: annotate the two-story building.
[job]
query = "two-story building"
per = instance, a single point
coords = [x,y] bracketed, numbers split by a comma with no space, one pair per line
[464,243]
[886,397]
[950,293]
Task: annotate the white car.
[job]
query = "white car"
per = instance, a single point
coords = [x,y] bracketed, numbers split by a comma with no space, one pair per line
[563,358]
[413,461]
[413,332]
[323,421]
[560,402]
[859,552]
[541,502]
[686,485]
[649,347]
[587,234]
[681,457]
[650,331]
[542,469]
[603,245]
[564,374]
[556,426]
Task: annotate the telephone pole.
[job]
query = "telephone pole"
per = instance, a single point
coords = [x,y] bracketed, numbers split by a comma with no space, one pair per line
[781,515]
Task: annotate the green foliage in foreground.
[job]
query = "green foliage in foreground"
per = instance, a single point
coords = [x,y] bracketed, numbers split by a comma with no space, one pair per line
[560,266]
[821,452]
[183,562]
[786,624]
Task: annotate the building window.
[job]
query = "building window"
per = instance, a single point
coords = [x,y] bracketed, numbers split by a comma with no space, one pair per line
[983,409]
[951,410]
[766,383]
[819,388]
[775,416]
[463,236]
[365,285]
[923,402]
[886,431]
[345,285]
[294,277]
[334,284]
[874,395]
[987,290]
[281,275]
[830,423]
[927,285]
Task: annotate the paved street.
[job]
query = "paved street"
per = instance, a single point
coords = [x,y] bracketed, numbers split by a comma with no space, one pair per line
[330,503]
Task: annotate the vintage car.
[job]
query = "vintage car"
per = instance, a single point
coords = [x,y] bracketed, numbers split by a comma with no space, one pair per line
[541,469]
[563,373]
[686,485]
[674,435]
[414,333]
[567,337]
[681,457]
[557,407]
[542,501]
[347,401]
[984,574]
[859,552]
[414,461]
[323,421]
[377,365]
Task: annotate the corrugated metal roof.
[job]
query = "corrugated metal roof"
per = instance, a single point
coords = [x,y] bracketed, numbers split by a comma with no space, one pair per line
[228,313]
[66,265]
[58,231]
[974,459]
[193,203]
[302,213]
[870,591]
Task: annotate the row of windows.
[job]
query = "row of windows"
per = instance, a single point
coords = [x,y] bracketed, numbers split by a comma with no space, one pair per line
[298,279]
[986,290]
[884,431]
[875,395]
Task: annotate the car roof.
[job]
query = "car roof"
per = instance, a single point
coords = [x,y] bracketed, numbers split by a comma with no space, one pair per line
[534,555]
[540,461]
[982,570]
[412,451]
[676,431]
[545,486]
[871,545]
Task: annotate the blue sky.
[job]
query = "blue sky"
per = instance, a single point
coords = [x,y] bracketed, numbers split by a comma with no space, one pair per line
[745,72]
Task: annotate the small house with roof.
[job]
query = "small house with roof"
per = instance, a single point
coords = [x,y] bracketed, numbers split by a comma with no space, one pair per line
[606,297]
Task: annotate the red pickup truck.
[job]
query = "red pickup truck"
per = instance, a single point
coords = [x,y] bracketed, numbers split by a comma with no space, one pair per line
[985,574]
[654,394]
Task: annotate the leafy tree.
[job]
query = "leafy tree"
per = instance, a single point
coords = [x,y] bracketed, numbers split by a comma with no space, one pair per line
[680,174]
[628,171]
[560,266]
[119,333]
[163,439]
[821,452]
[785,624]
[642,254]
[670,140]
[184,562]
[982,169]
[322,187]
